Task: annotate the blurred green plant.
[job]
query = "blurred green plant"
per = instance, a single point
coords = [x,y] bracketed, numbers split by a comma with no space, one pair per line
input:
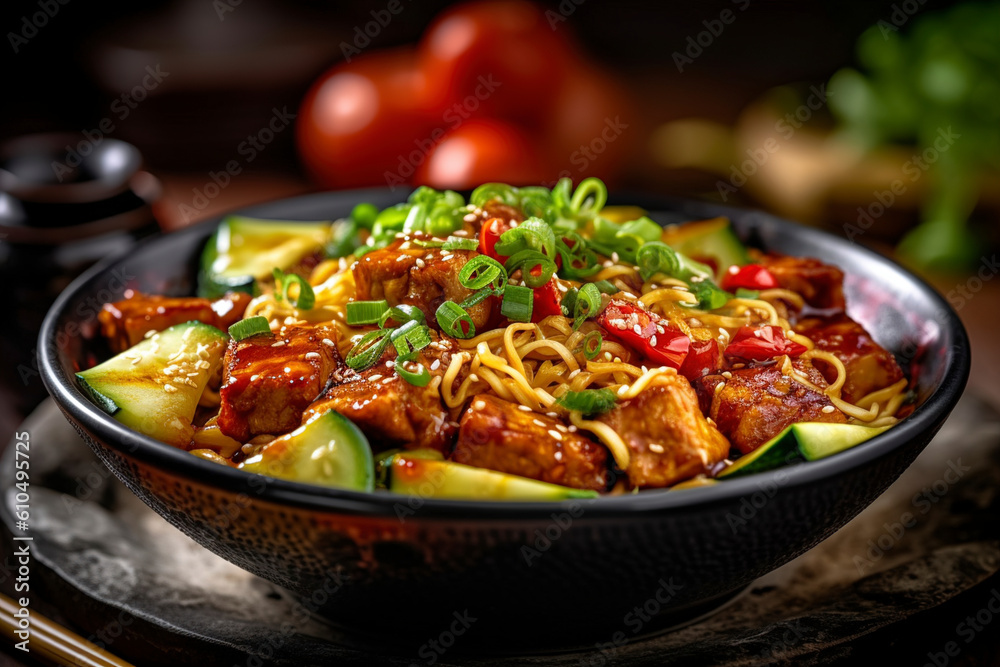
[944,72]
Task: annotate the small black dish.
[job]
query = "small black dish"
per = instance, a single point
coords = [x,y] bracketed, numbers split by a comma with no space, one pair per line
[537,576]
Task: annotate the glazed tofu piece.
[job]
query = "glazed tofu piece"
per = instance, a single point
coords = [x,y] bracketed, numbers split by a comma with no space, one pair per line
[668,437]
[752,405]
[391,411]
[821,285]
[405,273]
[498,435]
[869,365]
[268,380]
[124,323]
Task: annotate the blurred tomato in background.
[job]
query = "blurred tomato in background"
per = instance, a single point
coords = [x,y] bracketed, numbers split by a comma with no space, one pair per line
[494,91]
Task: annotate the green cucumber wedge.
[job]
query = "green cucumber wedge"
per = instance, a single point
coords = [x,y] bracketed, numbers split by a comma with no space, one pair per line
[154,386]
[245,250]
[427,478]
[806,440]
[329,450]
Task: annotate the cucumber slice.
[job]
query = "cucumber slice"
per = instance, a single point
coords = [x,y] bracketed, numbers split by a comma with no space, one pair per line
[329,450]
[245,250]
[806,440]
[384,461]
[712,240]
[428,478]
[818,440]
[154,386]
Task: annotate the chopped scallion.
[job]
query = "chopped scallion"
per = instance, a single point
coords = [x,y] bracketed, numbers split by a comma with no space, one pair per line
[454,321]
[518,303]
[251,326]
[589,401]
[366,312]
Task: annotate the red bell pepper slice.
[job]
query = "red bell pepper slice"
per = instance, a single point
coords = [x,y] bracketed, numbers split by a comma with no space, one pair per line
[702,359]
[489,235]
[547,300]
[644,332]
[751,276]
[762,343]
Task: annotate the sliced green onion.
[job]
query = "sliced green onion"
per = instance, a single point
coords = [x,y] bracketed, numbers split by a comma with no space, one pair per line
[533,233]
[367,351]
[434,243]
[343,239]
[454,321]
[744,293]
[589,188]
[588,304]
[486,192]
[366,312]
[410,339]
[709,295]
[477,298]
[657,257]
[306,298]
[568,303]
[460,243]
[364,214]
[589,401]
[536,268]
[251,326]
[592,344]
[518,303]
[642,228]
[420,378]
[481,271]
[606,287]
[401,314]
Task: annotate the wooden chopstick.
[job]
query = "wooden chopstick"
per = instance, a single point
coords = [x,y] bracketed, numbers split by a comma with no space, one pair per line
[50,641]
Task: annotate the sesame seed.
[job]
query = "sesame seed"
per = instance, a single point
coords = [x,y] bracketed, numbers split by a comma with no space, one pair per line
[652,340]
[637,329]
[390,364]
[447,257]
[555,434]
[479,405]
[313,355]
[622,390]
[436,364]
[719,387]
[572,428]
[727,375]
[574,374]
[280,343]
[618,360]
[538,422]
[558,456]
[376,377]
[470,217]
[474,377]
[614,257]
[656,447]
[644,369]
[561,428]
[169,388]
[551,414]
[828,409]
[253,378]
[524,407]
[421,263]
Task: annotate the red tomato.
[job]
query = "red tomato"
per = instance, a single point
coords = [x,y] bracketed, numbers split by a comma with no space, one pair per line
[751,276]
[762,343]
[480,151]
[363,120]
[489,235]
[495,58]
[546,302]
[703,358]
[644,333]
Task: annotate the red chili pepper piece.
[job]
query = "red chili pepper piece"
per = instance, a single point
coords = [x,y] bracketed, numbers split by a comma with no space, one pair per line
[751,276]
[703,358]
[489,235]
[644,333]
[762,343]
[546,301]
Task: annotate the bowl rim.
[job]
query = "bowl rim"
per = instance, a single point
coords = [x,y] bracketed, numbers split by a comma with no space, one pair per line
[928,417]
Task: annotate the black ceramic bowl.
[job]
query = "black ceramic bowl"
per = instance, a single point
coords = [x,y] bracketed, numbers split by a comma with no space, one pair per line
[532,574]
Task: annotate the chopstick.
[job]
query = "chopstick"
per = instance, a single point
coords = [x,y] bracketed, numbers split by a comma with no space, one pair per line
[54,643]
